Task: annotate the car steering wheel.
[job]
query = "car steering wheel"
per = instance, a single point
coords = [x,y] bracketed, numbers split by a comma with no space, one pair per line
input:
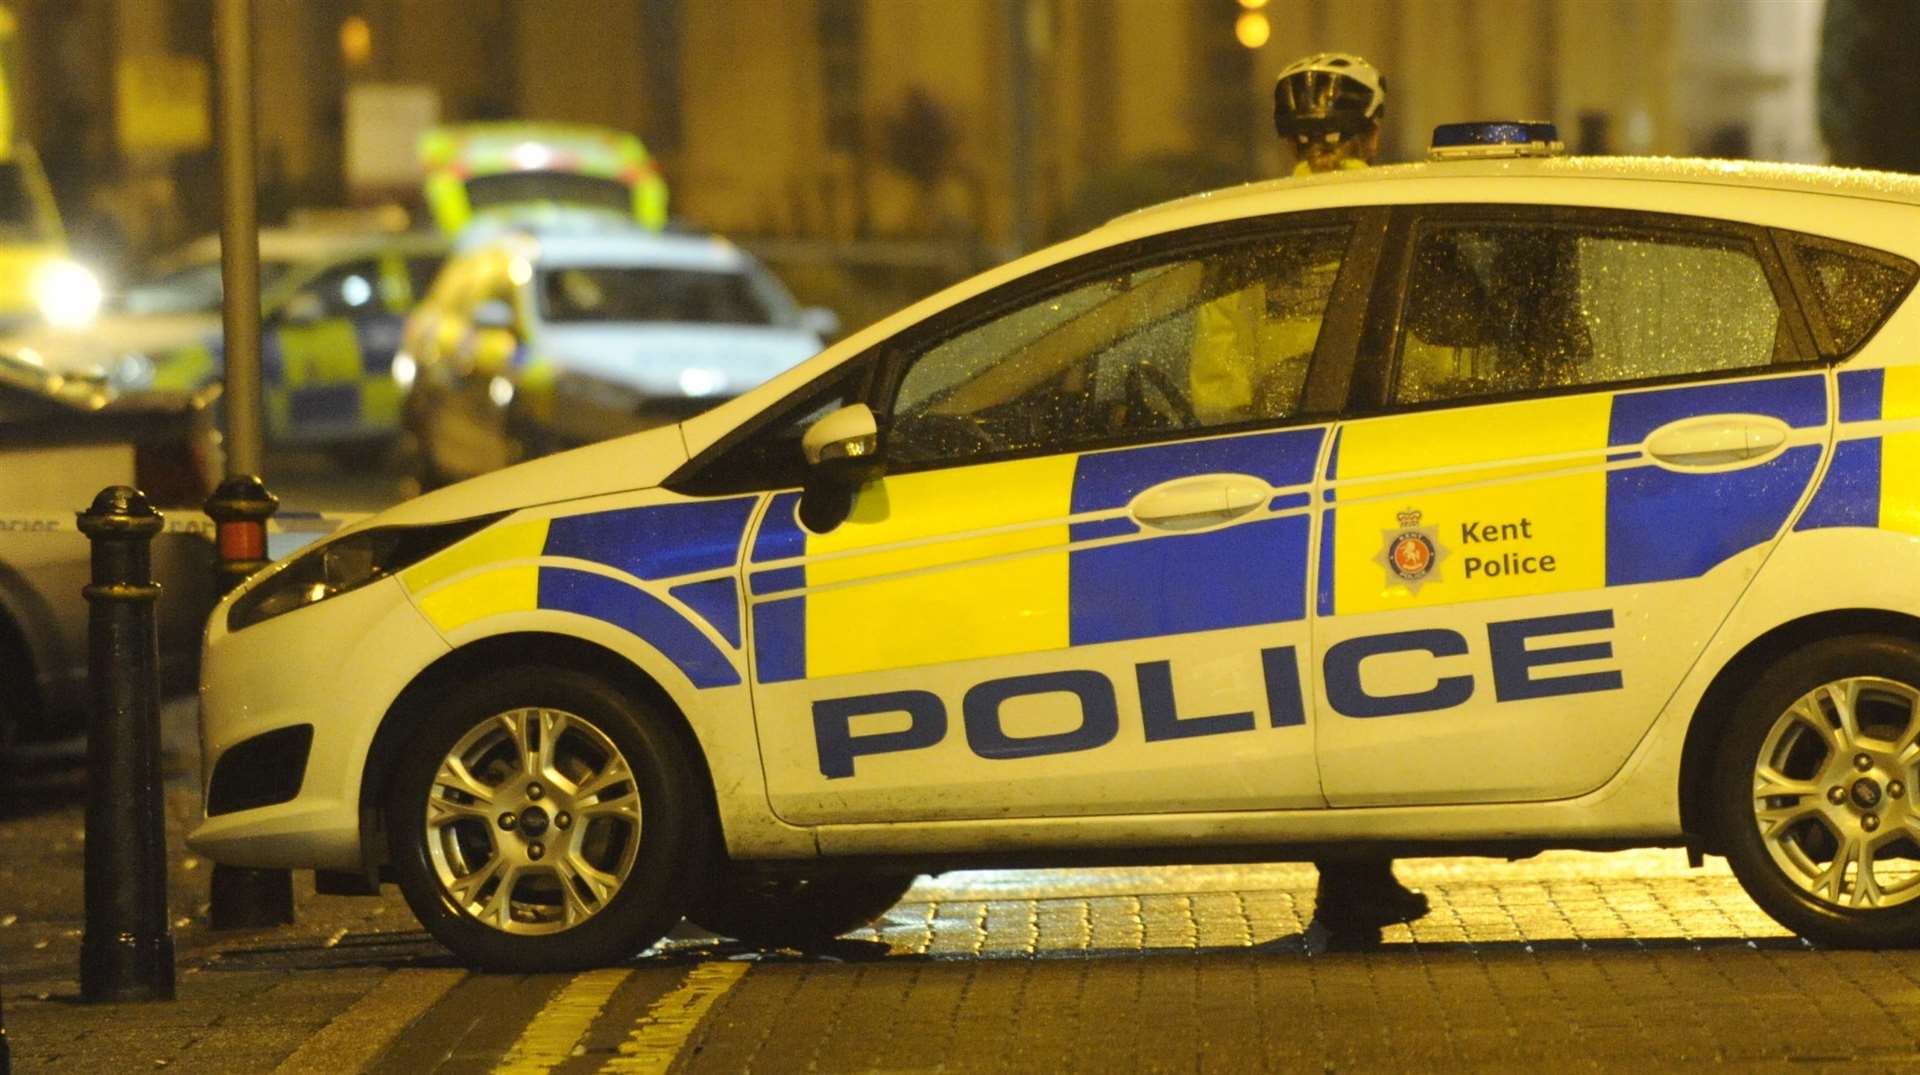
[1142,376]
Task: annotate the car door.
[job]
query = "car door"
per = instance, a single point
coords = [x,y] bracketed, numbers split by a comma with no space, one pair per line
[316,347]
[1582,434]
[1081,586]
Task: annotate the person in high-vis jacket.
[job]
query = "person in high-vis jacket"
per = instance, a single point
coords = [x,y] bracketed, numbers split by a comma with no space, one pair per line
[1250,356]
[1252,345]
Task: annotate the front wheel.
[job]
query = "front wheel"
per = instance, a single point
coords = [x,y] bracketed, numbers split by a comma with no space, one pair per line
[543,820]
[797,911]
[1814,788]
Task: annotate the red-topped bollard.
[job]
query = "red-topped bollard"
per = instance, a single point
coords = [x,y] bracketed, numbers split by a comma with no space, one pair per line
[126,951]
[241,897]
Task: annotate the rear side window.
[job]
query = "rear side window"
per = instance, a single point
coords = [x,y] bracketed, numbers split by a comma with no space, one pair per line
[1854,289]
[1501,308]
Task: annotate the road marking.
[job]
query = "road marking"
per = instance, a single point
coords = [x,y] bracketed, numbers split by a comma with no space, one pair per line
[560,1024]
[356,1036]
[657,1039]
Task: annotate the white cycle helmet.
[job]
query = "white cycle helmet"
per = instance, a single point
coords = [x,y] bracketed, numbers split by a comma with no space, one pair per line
[1328,95]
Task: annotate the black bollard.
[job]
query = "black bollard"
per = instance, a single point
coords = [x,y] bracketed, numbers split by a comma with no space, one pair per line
[241,897]
[126,952]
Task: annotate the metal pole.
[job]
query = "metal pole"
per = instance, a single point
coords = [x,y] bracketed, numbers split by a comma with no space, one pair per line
[243,897]
[1020,100]
[239,237]
[126,952]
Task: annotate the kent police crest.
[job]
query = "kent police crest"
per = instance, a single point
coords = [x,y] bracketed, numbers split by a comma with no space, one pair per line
[1413,552]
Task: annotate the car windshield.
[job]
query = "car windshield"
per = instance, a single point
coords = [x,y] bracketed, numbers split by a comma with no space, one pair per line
[191,289]
[628,293]
[510,188]
[17,216]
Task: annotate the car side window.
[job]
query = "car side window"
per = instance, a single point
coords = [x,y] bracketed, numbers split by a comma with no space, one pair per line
[349,290]
[1855,289]
[769,455]
[1203,339]
[1501,308]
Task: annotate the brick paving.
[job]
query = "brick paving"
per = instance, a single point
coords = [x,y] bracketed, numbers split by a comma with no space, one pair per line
[1626,962]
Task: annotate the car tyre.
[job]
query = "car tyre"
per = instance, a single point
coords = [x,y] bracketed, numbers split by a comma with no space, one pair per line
[806,911]
[1833,732]
[607,838]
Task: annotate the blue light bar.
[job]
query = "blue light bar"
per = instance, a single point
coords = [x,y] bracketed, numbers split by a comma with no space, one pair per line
[1495,138]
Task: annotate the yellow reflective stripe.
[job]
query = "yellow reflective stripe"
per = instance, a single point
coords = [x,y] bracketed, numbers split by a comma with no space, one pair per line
[1564,510]
[379,401]
[279,410]
[325,352]
[1900,452]
[476,597]
[184,370]
[946,600]
[495,544]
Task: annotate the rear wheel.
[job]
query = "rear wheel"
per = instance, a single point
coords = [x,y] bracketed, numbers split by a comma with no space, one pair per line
[1814,792]
[543,820]
[797,911]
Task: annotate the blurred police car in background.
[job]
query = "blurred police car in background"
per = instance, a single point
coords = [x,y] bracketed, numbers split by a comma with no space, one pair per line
[62,440]
[537,337]
[334,299]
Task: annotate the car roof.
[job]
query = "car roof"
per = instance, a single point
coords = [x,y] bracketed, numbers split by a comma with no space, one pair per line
[308,246]
[630,247]
[1380,184]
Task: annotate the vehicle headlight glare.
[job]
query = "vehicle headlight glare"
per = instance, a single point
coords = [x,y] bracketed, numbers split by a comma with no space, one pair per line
[404,370]
[500,391]
[344,564]
[131,372]
[67,293]
[698,382]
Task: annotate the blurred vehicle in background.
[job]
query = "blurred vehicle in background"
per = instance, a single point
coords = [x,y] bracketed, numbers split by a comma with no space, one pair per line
[39,281]
[477,170]
[62,440]
[334,301]
[536,340]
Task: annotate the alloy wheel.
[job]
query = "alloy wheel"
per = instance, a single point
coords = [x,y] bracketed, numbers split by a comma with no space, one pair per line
[1833,793]
[533,821]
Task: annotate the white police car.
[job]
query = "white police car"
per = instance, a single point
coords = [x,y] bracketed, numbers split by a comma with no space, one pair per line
[1480,505]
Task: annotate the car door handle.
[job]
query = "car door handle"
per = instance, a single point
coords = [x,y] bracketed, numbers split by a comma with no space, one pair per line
[1199,501]
[1718,440]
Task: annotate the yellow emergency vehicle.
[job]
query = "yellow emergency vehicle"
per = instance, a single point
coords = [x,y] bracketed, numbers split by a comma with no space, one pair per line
[475,169]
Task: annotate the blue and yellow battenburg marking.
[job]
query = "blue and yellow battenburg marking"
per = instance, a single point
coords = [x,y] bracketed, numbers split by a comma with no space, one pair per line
[1874,479]
[658,572]
[1026,556]
[1554,495]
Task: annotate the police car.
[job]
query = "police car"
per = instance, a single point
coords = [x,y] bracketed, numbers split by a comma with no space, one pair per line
[333,302]
[555,330]
[1555,503]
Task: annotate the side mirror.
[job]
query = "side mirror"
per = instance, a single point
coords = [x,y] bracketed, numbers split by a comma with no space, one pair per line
[820,321]
[842,450]
[494,313]
[849,433]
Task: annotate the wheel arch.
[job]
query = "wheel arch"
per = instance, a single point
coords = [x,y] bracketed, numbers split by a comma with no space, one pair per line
[1715,708]
[492,652]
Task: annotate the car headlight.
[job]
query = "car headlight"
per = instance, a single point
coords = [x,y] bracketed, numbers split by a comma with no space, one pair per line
[346,563]
[131,372]
[67,293]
